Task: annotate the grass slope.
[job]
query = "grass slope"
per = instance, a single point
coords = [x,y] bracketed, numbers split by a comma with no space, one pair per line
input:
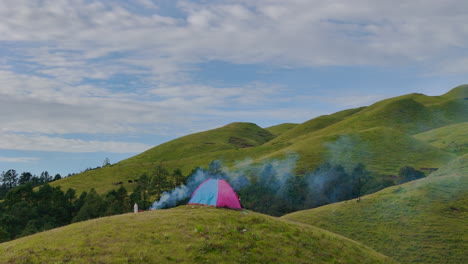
[301,131]
[232,136]
[452,138]
[382,135]
[188,234]
[185,153]
[281,128]
[418,222]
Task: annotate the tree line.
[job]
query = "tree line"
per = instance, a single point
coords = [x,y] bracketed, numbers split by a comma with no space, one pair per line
[24,211]
[10,179]
[327,184]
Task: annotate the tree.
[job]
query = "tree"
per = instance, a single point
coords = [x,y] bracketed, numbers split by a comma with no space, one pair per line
[295,193]
[4,235]
[159,180]
[178,177]
[359,177]
[408,173]
[215,169]
[45,177]
[142,189]
[93,207]
[25,177]
[118,201]
[70,196]
[57,177]
[106,162]
[10,179]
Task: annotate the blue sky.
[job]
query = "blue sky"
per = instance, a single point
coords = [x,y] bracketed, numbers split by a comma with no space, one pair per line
[85,80]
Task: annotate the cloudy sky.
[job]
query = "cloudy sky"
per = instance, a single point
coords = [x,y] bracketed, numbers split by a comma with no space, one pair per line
[82,80]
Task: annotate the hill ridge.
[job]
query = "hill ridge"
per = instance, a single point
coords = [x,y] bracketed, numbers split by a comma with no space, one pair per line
[411,114]
[188,234]
[417,222]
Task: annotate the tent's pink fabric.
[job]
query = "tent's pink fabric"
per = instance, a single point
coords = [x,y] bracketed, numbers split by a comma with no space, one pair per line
[226,196]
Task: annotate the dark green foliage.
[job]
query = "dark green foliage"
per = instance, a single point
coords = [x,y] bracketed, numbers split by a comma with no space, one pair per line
[25,178]
[24,211]
[143,188]
[118,201]
[150,188]
[94,206]
[45,177]
[4,235]
[274,194]
[57,177]
[10,179]
[178,177]
[159,181]
[407,174]
[359,177]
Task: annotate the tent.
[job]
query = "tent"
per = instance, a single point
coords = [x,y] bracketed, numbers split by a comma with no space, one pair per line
[217,193]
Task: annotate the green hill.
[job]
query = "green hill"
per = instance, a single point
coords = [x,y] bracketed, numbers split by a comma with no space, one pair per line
[384,136]
[232,136]
[460,92]
[452,138]
[188,234]
[280,129]
[423,221]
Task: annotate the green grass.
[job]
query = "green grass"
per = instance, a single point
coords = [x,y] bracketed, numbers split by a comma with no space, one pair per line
[232,136]
[303,130]
[423,221]
[188,234]
[281,128]
[452,138]
[380,136]
[458,92]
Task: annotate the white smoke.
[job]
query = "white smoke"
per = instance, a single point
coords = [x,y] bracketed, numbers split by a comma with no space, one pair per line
[276,171]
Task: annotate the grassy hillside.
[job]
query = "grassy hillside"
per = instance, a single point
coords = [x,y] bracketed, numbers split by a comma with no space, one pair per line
[281,128]
[452,138]
[228,143]
[379,136]
[188,234]
[418,222]
[460,92]
[382,149]
[313,125]
[232,136]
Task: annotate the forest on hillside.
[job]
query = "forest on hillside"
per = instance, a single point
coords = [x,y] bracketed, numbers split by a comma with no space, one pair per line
[28,204]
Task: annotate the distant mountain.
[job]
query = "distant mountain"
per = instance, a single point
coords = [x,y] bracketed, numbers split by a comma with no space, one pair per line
[396,132]
[423,221]
[188,234]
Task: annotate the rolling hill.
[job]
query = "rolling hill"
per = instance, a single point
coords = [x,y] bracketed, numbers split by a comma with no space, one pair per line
[384,136]
[452,138]
[423,221]
[188,234]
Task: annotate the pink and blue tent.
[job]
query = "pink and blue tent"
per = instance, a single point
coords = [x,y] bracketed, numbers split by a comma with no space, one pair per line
[217,193]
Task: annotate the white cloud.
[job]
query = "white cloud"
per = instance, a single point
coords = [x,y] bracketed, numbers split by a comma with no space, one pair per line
[47,106]
[456,65]
[306,33]
[60,61]
[46,143]
[18,159]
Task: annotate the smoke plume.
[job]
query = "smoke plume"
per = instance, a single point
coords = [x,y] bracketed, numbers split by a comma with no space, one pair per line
[271,173]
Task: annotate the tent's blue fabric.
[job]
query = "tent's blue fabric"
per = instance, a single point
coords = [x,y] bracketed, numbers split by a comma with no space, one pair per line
[217,193]
[206,193]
